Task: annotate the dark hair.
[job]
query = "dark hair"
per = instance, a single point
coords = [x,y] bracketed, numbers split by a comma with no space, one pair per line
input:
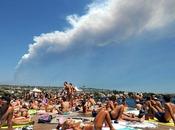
[167,98]
[6,98]
[65,82]
[64,98]
[5,106]
[148,98]
[112,98]
[83,102]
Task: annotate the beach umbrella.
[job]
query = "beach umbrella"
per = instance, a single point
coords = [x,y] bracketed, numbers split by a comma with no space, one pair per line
[36,90]
[102,94]
[78,90]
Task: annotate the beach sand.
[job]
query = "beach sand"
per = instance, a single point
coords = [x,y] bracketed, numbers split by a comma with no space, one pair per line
[39,126]
[48,126]
[53,126]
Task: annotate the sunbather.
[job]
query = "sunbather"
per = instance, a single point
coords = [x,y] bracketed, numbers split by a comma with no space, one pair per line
[118,114]
[65,105]
[103,117]
[168,113]
[6,112]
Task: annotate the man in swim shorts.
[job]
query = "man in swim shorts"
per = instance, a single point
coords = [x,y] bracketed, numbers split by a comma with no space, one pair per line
[168,113]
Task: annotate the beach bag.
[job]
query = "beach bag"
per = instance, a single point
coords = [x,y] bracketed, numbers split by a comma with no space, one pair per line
[46,118]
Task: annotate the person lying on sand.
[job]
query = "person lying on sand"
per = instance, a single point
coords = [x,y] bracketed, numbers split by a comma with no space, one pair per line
[33,104]
[168,113]
[103,117]
[73,124]
[16,104]
[118,114]
[150,101]
[22,112]
[49,107]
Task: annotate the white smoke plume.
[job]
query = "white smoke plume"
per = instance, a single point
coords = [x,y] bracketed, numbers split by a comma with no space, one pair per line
[105,22]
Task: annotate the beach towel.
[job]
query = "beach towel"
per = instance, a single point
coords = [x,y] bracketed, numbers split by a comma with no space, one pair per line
[155,121]
[18,127]
[126,125]
[25,128]
[119,127]
[137,124]
[54,121]
[22,121]
[135,112]
[160,123]
[32,111]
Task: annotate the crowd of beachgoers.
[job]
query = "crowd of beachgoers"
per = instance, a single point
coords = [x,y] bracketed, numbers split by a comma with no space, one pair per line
[15,109]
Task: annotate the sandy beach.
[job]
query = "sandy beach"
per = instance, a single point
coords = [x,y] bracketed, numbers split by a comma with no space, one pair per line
[39,126]
[51,127]
[80,105]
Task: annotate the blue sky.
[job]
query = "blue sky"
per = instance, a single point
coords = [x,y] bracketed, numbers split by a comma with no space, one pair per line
[116,44]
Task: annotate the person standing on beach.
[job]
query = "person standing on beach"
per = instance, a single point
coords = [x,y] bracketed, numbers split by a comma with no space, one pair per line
[68,89]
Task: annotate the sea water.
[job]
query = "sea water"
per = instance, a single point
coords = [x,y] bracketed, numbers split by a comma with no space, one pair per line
[130,102]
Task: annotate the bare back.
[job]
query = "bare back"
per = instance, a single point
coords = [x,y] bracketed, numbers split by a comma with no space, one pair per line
[170,111]
[66,106]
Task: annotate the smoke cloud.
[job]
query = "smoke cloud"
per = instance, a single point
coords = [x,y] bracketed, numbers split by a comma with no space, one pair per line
[105,22]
